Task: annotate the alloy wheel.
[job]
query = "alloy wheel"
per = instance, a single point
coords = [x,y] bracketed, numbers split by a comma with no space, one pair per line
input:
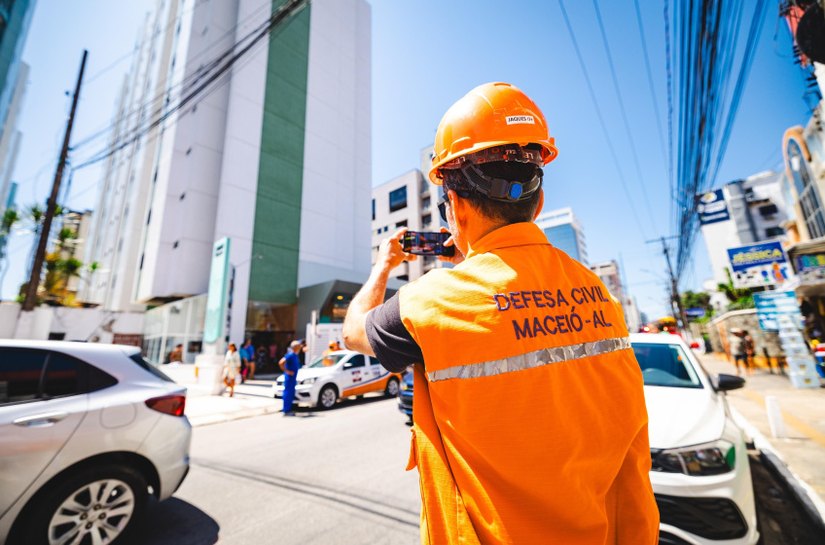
[97,513]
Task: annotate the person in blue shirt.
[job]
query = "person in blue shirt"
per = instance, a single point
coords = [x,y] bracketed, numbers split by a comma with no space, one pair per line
[248,359]
[290,365]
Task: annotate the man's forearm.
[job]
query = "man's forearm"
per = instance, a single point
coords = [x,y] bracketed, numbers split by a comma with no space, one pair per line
[368,297]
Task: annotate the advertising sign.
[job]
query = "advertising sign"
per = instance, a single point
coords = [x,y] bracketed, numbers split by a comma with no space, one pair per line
[216,298]
[758,265]
[810,268]
[712,207]
[770,304]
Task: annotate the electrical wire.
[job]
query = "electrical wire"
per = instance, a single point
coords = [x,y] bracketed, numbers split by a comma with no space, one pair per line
[231,57]
[623,111]
[650,86]
[600,117]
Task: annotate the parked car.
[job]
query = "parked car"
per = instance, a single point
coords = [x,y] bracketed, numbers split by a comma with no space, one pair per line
[701,476]
[338,375]
[87,433]
[405,395]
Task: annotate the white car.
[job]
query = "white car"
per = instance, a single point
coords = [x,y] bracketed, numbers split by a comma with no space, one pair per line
[700,476]
[340,374]
[87,432]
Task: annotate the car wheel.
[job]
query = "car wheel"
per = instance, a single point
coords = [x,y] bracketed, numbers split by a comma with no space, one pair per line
[96,505]
[392,387]
[328,396]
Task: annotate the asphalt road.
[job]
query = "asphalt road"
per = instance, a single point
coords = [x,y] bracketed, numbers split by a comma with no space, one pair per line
[338,477]
[320,477]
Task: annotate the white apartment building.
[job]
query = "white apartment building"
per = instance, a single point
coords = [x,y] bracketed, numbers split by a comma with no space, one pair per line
[10,135]
[275,156]
[410,201]
[564,232]
[749,211]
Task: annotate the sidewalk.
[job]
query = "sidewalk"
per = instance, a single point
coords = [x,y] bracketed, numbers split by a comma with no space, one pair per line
[803,413]
[253,398]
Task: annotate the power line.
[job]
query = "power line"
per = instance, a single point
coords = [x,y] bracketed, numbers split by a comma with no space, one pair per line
[600,117]
[279,16]
[623,111]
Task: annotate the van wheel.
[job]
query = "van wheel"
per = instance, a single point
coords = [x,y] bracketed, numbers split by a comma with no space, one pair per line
[328,396]
[392,387]
[94,505]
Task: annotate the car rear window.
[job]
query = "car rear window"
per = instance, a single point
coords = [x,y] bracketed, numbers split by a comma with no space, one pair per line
[147,365]
[666,365]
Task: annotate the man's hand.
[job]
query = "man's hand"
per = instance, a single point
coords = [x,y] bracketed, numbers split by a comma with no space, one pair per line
[457,257]
[390,253]
[371,294]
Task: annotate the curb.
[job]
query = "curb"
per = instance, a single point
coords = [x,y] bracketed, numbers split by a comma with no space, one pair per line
[218,418]
[805,496]
[800,491]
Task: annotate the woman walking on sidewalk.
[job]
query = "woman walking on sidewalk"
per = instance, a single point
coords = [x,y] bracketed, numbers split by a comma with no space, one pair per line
[231,368]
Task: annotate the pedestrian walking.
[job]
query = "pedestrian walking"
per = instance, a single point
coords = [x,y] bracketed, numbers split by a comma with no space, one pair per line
[231,368]
[290,365]
[750,351]
[737,349]
[567,459]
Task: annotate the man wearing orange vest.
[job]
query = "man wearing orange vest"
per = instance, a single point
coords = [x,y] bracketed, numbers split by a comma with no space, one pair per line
[530,420]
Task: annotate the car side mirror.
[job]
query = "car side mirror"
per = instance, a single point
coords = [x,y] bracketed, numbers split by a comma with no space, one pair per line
[725,382]
[348,365]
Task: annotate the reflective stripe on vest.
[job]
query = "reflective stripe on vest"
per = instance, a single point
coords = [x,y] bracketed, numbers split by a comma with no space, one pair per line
[545,356]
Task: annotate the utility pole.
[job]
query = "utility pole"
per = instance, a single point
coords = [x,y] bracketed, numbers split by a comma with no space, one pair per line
[40,254]
[674,284]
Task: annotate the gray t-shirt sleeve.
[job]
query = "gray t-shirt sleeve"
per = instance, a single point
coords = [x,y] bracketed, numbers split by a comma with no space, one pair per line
[392,343]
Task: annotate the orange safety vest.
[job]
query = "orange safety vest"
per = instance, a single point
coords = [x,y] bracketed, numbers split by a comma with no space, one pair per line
[530,418]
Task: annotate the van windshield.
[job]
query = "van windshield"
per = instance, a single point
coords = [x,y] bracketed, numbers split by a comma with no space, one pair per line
[327,361]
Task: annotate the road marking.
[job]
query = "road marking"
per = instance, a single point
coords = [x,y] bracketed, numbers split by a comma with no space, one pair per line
[800,426]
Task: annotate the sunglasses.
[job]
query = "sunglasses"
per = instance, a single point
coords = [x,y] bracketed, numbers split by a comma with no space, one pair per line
[442,207]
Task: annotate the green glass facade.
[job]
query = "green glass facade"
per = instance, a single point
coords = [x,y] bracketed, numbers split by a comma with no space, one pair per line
[276,239]
[15,18]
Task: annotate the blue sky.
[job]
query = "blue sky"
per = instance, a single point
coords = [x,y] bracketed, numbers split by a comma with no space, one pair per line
[427,54]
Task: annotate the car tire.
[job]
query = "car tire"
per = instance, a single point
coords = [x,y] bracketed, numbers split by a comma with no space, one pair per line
[392,387]
[328,397]
[70,506]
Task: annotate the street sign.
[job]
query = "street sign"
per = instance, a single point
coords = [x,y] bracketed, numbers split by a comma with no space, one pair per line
[216,299]
[711,207]
[759,265]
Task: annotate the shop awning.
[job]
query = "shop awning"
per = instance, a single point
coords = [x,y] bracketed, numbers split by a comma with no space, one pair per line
[808,262]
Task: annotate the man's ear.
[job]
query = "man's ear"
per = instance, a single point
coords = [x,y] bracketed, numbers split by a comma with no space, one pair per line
[540,204]
[458,206]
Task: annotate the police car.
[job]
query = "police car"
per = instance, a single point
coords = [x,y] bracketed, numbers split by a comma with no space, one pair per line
[338,375]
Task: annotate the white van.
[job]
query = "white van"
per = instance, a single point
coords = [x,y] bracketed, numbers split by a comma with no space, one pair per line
[341,374]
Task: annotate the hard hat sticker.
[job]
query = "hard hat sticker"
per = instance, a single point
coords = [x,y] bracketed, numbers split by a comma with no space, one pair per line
[520,120]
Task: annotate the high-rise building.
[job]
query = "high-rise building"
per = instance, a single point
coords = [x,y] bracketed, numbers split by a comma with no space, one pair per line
[610,275]
[564,232]
[15,19]
[275,155]
[408,201]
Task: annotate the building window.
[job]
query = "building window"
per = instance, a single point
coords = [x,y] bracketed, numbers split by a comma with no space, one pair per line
[426,220]
[807,191]
[425,203]
[373,210]
[402,223]
[398,199]
[768,210]
[771,232]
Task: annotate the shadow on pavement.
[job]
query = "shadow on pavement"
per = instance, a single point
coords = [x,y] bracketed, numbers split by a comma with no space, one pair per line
[341,405]
[176,522]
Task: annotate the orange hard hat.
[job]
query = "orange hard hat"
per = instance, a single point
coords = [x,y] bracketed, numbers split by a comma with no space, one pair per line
[492,114]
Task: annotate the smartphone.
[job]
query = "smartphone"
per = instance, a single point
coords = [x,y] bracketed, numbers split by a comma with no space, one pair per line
[424,243]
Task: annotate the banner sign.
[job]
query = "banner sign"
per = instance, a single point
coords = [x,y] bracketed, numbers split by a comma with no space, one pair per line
[810,268]
[712,208]
[770,304]
[696,312]
[216,299]
[759,265]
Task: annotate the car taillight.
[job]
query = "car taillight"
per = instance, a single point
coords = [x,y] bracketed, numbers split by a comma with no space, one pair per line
[171,404]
